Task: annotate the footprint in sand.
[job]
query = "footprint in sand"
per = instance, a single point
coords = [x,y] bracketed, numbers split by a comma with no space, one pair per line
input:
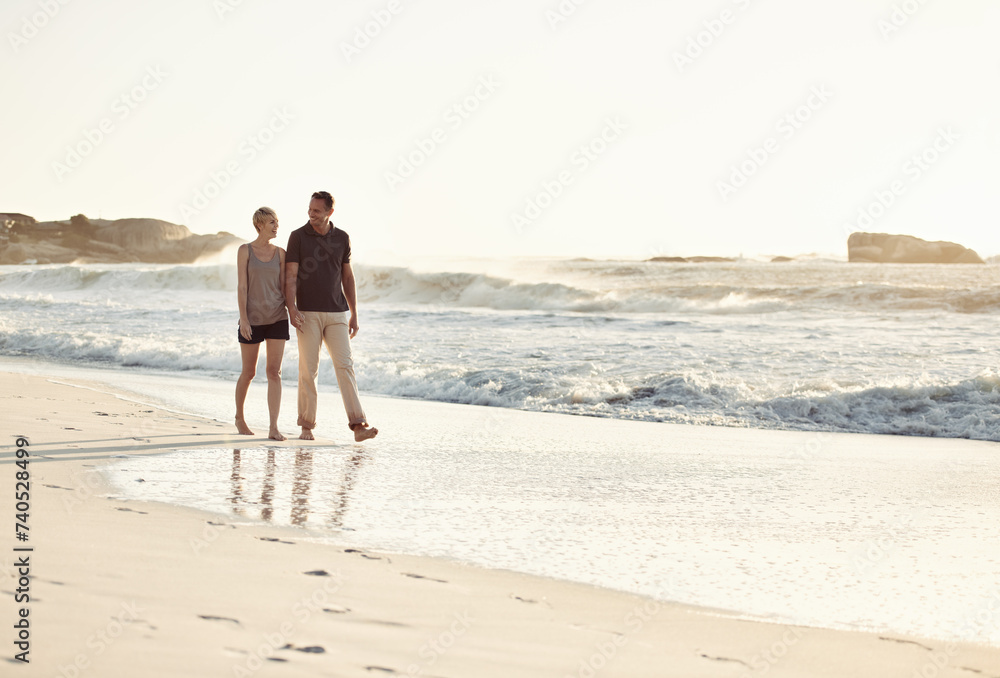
[317,573]
[210,617]
[420,576]
[310,649]
[337,609]
[119,508]
[277,541]
[364,555]
[385,622]
[725,659]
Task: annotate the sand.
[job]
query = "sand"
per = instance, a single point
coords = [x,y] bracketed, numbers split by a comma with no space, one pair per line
[148,589]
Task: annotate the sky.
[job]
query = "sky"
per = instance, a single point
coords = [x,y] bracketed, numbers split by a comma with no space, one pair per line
[572,128]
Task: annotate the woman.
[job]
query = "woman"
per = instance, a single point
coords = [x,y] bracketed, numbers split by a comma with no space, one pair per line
[263,318]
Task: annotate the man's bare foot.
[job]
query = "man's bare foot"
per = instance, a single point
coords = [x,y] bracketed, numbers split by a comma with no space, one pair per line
[306,434]
[364,433]
[242,427]
[275,434]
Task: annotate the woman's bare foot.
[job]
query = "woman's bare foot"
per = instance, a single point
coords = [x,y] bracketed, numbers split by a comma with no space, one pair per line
[242,427]
[275,434]
[364,433]
[306,434]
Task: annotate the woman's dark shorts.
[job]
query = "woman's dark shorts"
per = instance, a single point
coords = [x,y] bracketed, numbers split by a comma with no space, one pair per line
[259,333]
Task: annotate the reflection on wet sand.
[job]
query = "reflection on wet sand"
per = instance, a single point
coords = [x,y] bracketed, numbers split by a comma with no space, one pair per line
[236,479]
[300,487]
[242,470]
[351,469]
[267,492]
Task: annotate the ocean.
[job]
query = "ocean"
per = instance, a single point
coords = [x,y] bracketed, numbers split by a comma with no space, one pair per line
[813,345]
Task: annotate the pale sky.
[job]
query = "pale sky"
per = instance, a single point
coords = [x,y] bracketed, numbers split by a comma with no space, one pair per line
[257,103]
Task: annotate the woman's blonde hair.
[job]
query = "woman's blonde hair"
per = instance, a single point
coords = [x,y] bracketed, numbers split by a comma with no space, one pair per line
[261,215]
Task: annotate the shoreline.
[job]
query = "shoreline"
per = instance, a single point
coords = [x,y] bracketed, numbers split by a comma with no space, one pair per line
[121,584]
[96,371]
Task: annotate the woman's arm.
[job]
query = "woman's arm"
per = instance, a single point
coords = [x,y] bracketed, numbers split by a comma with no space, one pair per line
[242,256]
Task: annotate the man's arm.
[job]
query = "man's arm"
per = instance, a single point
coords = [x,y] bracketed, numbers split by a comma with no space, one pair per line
[291,281]
[284,284]
[351,293]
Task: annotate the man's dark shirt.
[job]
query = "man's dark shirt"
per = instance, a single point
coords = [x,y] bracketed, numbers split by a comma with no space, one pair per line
[321,260]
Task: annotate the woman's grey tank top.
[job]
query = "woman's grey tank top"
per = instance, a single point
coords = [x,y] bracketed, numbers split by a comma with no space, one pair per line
[265,299]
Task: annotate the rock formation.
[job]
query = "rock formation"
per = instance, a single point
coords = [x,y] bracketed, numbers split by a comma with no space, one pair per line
[121,241]
[155,241]
[884,248]
[142,235]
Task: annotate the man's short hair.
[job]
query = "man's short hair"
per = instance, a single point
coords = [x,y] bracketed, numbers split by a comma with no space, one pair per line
[261,216]
[325,197]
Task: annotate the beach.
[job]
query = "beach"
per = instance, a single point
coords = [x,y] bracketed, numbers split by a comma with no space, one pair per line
[124,588]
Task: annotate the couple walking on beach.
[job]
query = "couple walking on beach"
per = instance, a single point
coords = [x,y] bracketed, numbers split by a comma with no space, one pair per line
[313,285]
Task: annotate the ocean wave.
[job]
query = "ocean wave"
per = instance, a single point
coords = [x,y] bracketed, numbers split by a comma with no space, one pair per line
[119,350]
[655,295]
[132,277]
[922,406]
[403,285]
[575,287]
[966,409]
[640,289]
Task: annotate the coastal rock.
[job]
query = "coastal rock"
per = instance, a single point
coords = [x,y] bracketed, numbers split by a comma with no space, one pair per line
[157,241]
[885,248]
[142,235]
[13,254]
[36,253]
[99,241]
[96,252]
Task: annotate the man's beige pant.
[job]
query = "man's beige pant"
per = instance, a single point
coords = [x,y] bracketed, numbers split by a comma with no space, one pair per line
[330,329]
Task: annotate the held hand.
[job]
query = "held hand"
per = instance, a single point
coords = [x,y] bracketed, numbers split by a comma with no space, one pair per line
[245,330]
[353,326]
[296,319]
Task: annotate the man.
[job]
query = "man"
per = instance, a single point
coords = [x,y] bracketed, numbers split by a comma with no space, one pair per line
[322,297]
